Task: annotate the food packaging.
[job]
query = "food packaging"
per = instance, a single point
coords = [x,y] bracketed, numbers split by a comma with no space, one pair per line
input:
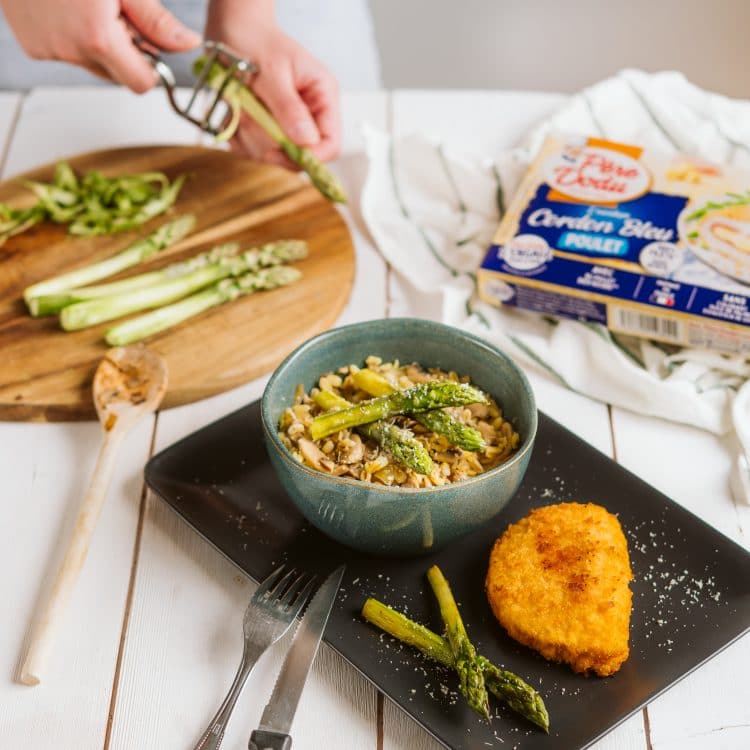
[651,245]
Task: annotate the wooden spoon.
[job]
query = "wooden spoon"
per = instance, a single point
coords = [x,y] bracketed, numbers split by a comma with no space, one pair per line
[129,383]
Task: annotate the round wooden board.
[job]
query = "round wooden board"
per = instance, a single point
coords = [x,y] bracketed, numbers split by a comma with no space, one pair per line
[46,373]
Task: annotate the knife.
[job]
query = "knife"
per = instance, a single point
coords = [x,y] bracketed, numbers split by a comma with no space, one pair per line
[273,732]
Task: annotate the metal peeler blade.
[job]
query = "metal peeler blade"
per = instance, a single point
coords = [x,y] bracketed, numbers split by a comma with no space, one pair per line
[208,119]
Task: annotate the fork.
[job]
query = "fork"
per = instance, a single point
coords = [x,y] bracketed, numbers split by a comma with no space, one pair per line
[270,613]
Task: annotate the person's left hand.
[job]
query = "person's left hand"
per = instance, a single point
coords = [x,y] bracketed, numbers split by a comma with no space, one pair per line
[301,93]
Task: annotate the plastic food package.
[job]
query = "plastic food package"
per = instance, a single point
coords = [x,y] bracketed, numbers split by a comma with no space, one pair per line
[650,245]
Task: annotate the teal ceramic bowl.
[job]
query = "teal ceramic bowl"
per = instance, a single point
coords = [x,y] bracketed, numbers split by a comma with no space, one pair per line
[400,520]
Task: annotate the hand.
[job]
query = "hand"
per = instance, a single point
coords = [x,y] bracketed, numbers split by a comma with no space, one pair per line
[93,34]
[301,93]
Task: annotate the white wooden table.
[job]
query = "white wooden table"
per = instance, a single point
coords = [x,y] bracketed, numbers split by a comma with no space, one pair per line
[153,634]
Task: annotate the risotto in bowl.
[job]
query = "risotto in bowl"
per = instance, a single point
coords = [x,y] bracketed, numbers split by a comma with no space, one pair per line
[397,436]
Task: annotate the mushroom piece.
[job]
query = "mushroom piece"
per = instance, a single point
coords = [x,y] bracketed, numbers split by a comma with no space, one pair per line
[351,451]
[311,453]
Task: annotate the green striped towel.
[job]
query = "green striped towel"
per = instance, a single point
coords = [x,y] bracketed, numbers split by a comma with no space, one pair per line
[433,214]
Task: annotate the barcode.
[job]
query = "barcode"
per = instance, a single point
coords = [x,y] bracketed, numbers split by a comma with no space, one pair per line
[631,321]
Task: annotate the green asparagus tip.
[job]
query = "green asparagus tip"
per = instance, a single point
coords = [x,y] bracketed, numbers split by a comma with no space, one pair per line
[418,398]
[467,665]
[240,97]
[503,684]
[281,276]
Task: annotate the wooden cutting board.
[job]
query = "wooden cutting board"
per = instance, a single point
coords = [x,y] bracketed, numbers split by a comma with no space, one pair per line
[46,373]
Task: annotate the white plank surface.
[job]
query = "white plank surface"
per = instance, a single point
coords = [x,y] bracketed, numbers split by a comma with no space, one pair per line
[182,627]
[472,122]
[198,632]
[46,468]
[369,291]
[60,122]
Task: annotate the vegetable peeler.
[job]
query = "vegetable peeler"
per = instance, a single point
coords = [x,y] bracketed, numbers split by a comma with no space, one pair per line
[210,120]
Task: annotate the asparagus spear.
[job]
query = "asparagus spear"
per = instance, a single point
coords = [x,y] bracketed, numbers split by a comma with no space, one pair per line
[400,443]
[166,235]
[241,98]
[94,311]
[438,421]
[418,398]
[503,684]
[470,673]
[14,221]
[50,304]
[223,291]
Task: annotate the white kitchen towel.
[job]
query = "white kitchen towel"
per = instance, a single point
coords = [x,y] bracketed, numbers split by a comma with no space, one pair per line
[433,213]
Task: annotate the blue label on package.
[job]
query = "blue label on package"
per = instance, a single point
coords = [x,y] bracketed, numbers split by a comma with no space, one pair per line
[620,231]
[560,305]
[634,287]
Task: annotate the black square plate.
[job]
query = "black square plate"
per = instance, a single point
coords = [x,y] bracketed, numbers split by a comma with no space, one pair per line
[691,588]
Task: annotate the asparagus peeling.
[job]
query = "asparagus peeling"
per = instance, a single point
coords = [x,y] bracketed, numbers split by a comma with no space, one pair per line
[438,421]
[50,304]
[419,398]
[466,664]
[166,235]
[15,221]
[502,683]
[400,443]
[240,99]
[94,311]
[92,204]
[223,291]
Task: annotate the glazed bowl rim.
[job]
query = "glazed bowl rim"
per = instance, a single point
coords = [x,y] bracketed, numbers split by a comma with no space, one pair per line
[343,482]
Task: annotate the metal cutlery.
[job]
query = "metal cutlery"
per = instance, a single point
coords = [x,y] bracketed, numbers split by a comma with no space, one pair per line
[270,613]
[276,721]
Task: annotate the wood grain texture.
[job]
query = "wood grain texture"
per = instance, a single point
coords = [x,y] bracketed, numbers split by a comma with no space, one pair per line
[46,373]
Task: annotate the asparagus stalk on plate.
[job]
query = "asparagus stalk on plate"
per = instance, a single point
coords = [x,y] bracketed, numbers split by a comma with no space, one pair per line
[166,235]
[400,443]
[418,398]
[503,684]
[50,304]
[240,99]
[94,311]
[223,291]
[467,666]
[439,421]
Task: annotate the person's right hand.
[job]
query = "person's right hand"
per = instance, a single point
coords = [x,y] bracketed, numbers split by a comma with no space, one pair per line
[93,34]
